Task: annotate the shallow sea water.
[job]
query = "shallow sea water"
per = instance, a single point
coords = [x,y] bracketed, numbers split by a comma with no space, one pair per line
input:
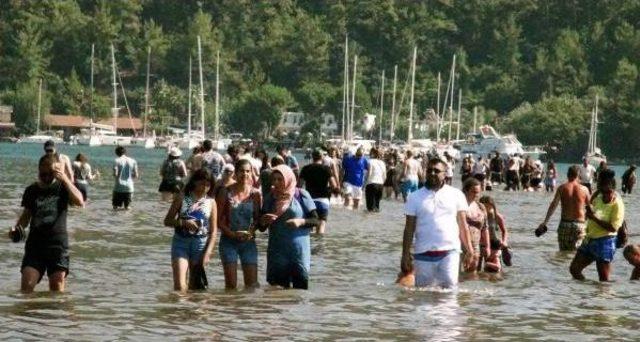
[120,283]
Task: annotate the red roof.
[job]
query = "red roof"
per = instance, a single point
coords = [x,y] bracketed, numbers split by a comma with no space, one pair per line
[124,123]
[66,121]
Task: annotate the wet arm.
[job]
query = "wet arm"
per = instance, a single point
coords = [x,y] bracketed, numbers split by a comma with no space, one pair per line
[257,204]
[465,236]
[223,218]
[213,229]
[171,219]
[407,236]
[552,207]
[75,196]
[503,228]
[24,219]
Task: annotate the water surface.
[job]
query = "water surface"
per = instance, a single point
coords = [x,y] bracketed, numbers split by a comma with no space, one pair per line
[120,281]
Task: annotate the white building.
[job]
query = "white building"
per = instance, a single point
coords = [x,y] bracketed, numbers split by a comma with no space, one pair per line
[328,125]
[291,122]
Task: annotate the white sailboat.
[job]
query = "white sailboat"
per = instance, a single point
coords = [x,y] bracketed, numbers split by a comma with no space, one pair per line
[594,154]
[39,137]
[91,136]
[191,139]
[145,140]
[112,138]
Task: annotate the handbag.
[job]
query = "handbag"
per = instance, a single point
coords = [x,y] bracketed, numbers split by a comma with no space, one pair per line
[622,236]
[198,279]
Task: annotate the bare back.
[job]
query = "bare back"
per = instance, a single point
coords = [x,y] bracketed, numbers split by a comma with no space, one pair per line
[573,199]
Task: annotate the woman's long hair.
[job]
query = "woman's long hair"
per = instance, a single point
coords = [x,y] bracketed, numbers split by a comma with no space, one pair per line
[489,200]
[199,175]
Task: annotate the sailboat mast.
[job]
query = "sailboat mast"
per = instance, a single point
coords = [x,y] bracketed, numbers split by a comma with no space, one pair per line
[381,107]
[189,103]
[438,109]
[413,81]
[91,82]
[475,118]
[345,83]
[201,88]
[115,90]
[393,102]
[595,126]
[353,98]
[39,105]
[453,76]
[146,93]
[459,111]
[216,131]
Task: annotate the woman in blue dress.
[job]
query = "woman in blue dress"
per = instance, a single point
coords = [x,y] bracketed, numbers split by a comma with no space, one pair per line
[193,216]
[290,214]
[240,211]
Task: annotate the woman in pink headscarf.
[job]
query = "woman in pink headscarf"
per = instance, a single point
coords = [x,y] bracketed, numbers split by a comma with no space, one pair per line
[290,214]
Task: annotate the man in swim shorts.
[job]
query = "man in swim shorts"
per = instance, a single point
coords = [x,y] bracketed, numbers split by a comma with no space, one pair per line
[572,197]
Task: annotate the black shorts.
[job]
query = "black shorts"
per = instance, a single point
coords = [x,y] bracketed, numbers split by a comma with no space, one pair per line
[50,259]
[168,186]
[121,199]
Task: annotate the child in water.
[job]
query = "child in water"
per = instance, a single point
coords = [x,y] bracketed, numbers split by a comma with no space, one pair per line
[497,237]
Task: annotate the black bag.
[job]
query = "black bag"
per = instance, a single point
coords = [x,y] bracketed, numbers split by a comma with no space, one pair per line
[623,235]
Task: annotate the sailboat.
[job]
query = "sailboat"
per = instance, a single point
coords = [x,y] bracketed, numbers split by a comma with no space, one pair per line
[145,140]
[91,136]
[112,137]
[594,154]
[191,139]
[39,137]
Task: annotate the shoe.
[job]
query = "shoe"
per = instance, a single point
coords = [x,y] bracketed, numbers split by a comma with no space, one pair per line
[506,256]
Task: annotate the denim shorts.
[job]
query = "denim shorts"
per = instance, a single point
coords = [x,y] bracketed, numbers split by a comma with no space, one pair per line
[188,247]
[600,249]
[231,250]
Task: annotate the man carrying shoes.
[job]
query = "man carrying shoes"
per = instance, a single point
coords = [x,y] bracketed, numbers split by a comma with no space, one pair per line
[436,218]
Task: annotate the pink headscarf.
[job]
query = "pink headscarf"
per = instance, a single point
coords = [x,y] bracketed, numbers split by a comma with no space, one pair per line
[284,196]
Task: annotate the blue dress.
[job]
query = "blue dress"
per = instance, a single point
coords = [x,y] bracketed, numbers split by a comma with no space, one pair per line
[289,249]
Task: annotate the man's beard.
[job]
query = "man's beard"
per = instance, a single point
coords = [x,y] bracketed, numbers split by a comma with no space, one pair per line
[433,183]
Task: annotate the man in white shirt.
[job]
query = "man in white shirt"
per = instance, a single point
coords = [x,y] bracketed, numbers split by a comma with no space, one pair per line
[125,170]
[587,173]
[436,219]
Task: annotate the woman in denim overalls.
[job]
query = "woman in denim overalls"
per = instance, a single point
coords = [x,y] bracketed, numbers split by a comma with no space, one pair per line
[240,210]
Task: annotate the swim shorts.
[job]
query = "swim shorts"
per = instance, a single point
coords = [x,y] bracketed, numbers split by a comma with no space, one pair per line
[601,249]
[121,199]
[46,258]
[408,186]
[351,190]
[570,235]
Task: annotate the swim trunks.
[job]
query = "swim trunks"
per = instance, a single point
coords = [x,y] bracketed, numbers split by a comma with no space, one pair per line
[600,249]
[570,235]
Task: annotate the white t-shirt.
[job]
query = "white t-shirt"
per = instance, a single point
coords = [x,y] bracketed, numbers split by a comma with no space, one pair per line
[436,223]
[586,173]
[377,171]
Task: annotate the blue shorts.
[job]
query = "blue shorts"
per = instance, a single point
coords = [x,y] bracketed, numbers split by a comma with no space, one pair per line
[600,249]
[409,186]
[231,250]
[322,208]
[188,247]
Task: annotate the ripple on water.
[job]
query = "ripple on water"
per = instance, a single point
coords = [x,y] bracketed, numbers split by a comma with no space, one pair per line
[120,281]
